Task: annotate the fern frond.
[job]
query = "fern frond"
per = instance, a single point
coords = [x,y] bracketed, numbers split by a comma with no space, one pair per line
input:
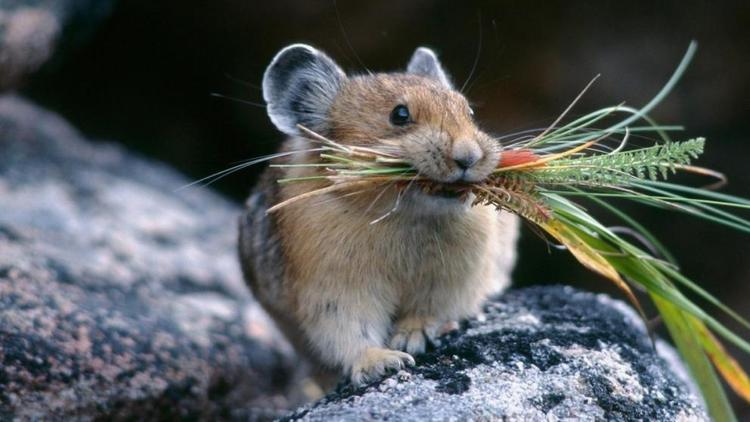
[622,168]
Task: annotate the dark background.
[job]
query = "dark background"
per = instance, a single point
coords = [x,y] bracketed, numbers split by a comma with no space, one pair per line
[145,77]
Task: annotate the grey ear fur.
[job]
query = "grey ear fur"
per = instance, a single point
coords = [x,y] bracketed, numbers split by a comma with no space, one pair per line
[424,62]
[299,87]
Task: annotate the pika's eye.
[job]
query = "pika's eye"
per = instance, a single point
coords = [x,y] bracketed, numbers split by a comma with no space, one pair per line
[400,115]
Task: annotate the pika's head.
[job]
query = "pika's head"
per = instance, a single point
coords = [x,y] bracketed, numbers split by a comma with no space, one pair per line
[417,112]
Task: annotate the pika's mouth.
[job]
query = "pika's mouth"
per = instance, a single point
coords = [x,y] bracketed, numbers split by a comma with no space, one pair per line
[447,194]
[447,190]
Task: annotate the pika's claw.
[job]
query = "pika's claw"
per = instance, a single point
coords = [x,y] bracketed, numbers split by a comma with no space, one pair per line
[413,334]
[448,327]
[375,362]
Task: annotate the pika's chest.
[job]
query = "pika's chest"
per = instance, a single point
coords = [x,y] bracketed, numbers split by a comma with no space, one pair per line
[397,250]
[425,250]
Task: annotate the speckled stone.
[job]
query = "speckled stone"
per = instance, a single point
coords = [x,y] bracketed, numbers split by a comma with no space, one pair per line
[120,298]
[537,354]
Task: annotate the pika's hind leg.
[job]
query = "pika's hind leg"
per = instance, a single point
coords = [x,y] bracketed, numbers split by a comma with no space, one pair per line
[426,314]
[412,334]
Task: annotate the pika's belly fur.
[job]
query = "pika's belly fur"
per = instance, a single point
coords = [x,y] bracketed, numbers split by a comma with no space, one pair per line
[405,262]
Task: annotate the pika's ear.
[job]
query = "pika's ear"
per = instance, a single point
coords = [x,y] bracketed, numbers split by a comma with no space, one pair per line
[299,87]
[424,62]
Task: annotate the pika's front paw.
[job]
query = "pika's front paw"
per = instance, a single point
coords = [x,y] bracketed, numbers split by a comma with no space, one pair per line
[413,334]
[374,363]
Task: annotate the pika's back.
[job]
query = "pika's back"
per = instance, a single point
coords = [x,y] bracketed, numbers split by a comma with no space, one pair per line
[260,252]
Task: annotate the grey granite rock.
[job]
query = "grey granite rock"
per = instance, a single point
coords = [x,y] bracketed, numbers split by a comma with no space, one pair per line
[31,30]
[120,298]
[538,354]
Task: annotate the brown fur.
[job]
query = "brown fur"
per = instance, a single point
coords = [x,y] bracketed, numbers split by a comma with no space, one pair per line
[349,291]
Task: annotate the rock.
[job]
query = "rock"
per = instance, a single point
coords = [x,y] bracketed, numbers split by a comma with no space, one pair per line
[537,354]
[120,298]
[30,31]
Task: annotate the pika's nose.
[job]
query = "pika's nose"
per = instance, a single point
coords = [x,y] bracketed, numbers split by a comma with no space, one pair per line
[466,153]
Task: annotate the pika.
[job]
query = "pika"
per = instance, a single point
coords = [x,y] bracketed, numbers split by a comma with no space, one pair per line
[361,298]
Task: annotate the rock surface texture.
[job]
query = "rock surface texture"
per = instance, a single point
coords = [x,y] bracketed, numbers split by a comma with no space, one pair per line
[120,298]
[538,354]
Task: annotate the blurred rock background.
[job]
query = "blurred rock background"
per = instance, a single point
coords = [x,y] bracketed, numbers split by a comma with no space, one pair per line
[142,72]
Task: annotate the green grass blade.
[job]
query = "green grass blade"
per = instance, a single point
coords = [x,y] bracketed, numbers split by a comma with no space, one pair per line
[700,368]
[646,273]
[660,248]
[666,269]
[666,89]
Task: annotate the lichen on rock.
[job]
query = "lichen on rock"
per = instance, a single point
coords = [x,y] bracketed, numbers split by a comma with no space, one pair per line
[537,354]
